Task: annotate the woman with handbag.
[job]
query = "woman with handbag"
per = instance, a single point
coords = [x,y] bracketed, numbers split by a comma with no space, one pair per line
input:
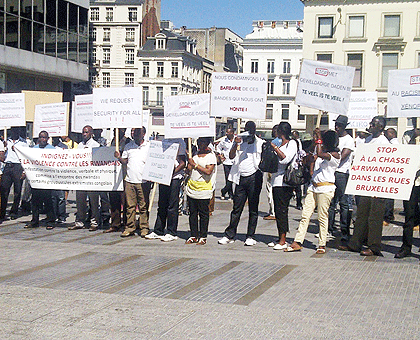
[321,189]
[286,151]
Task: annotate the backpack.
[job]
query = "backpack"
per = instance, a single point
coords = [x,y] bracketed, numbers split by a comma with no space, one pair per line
[269,160]
[297,173]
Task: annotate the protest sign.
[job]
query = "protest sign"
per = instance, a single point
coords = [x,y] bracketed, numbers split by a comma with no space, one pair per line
[188,116]
[238,95]
[386,171]
[52,118]
[404,93]
[325,86]
[160,162]
[12,110]
[82,113]
[73,169]
[363,107]
[117,107]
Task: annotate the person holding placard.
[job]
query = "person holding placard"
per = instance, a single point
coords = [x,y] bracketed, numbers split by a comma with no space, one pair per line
[223,149]
[199,190]
[246,153]
[370,210]
[134,156]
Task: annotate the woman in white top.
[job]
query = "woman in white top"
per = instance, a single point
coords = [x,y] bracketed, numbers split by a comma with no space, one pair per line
[282,193]
[321,189]
[200,189]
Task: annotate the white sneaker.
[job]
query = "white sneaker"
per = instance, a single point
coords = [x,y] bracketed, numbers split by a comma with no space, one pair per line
[168,238]
[224,240]
[153,236]
[279,246]
[273,243]
[250,242]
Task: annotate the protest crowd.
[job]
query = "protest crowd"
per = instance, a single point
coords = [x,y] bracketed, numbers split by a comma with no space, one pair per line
[316,171]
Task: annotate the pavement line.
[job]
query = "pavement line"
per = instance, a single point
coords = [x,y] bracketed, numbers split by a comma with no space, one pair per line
[43,266]
[46,235]
[10,233]
[320,256]
[257,291]
[202,281]
[145,276]
[122,239]
[370,258]
[83,237]
[91,271]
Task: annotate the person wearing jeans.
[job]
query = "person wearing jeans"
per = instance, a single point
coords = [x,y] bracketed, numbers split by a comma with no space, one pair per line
[223,149]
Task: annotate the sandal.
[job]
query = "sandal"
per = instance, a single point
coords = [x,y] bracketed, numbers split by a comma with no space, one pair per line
[320,251]
[295,246]
[191,240]
[202,241]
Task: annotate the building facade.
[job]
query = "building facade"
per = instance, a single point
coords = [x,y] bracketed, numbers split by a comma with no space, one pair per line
[275,48]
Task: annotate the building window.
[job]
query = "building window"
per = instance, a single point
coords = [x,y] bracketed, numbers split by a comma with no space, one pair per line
[94,14]
[284,111]
[159,96]
[160,69]
[160,44]
[286,66]
[286,86]
[326,58]
[146,69]
[389,62]
[254,66]
[107,34]
[325,27]
[270,66]
[270,86]
[129,56]
[107,55]
[93,34]
[106,79]
[109,14]
[129,79]
[300,115]
[132,14]
[174,91]
[94,55]
[129,34]
[269,112]
[174,73]
[391,26]
[356,60]
[145,95]
[418,60]
[356,26]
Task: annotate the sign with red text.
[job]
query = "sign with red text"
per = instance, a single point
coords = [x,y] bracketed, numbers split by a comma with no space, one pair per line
[117,107]
[238,95]
[325,86]
[52,118]
[12,110]
[188,117]
[384,171]
[363,107]
[82,113]
[404,93]
[72,169]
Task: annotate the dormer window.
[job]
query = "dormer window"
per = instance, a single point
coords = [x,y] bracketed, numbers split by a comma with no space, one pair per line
[160,44]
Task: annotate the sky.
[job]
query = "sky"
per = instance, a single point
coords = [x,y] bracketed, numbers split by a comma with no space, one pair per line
[236,15]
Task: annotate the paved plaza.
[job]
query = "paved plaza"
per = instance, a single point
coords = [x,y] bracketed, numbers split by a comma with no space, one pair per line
[61,284]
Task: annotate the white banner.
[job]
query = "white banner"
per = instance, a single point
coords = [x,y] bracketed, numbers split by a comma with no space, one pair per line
[325,86]
[386,171]
[82,113]
[12,110]
[52,118]
[238,95]
[160,162]
[73,169]
[404,93]
[362,108]
[188,116]
[117,107]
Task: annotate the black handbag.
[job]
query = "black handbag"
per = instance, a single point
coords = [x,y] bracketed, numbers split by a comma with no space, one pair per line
[269,160]
[296,172]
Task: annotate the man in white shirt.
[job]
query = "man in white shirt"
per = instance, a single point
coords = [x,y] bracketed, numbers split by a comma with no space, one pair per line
[346,147]
[248,179]
[134,156]
[223,149]
[391,135]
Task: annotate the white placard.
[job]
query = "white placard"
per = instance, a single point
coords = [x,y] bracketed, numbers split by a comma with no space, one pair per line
[362,108]
[160,162]
[188,116]
[404,93]
[117,107]
[52,118]
[325,86]
[386,171]
[82,113]
[12,110]
[238,95]
[72,169]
